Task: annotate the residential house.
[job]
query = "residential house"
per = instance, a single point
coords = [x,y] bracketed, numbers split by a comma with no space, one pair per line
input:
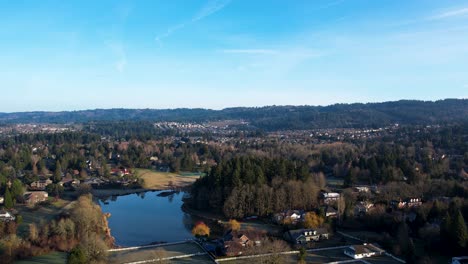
[363,251]
[69,183]
[331,212]
[413,202]
[406,203]
[292,216]
[120,172]
[40,184]
[238,238]
[303,236]
[32,198]
[6,216]
[94,182]
[235,242]
[362,189]
[362,208]
[397,204]
[329,197]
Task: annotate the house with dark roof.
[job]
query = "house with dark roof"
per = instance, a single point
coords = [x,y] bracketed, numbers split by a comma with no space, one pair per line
[40,184]
[303,236]
[363,251]
[239,238]
[235,242]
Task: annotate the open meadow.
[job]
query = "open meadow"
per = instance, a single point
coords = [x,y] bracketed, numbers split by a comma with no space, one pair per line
[165,180]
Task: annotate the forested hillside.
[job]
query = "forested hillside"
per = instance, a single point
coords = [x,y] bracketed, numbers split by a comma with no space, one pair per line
[271,118]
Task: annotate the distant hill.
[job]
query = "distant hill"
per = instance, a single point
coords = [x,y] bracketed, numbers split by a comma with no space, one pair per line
[273,117]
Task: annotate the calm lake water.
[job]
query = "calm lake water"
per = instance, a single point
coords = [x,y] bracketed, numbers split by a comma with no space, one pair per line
[139,219]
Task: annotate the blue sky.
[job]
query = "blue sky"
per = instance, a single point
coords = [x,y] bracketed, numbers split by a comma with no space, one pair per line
[70,55]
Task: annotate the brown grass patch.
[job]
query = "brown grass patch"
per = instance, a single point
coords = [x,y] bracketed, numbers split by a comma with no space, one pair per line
[163,180]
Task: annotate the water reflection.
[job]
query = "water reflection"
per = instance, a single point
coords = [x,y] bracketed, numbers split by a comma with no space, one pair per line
[139,219]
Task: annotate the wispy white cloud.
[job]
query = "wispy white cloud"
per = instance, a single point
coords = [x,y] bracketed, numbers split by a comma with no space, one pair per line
[208,9]
[450,13]
[250,51]
[168,32]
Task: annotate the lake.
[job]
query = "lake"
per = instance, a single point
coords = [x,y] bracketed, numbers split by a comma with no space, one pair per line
[143,218]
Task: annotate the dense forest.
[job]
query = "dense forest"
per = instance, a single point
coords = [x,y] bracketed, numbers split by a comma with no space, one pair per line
[257,186]
[271,118]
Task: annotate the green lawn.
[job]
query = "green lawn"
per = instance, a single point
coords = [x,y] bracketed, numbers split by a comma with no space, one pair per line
[51,258]
[192,174]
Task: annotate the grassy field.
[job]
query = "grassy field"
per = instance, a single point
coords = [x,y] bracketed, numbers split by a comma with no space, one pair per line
[41,213]
[160,252]
[52,258]
[192,174]
[162,180]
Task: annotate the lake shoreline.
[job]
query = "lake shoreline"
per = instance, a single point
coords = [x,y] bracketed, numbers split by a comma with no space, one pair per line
[104,193]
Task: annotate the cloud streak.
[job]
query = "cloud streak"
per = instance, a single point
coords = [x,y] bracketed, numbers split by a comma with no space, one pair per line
[168,32]
[249,51]
[208,9]
[450,14]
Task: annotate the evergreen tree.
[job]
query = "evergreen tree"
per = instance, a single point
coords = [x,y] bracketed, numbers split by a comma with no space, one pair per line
[459,231]
[445,230]
[16,189]
[8,199]
[350,178]
[58,172]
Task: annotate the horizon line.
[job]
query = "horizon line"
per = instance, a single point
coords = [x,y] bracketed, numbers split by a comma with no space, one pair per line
[221,109]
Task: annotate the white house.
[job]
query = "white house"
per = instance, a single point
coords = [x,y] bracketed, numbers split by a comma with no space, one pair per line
[290,215]
[363,251]
[329,197]
[6,216]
